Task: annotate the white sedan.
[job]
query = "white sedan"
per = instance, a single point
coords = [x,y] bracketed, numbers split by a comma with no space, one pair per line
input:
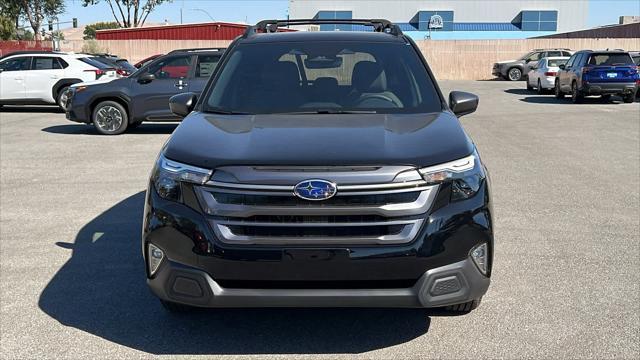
[543,74]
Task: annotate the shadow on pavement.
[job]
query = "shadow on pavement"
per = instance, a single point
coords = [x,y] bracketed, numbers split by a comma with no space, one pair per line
[86,129]
[550,99]
[519,91]
[102,290]
[31,109]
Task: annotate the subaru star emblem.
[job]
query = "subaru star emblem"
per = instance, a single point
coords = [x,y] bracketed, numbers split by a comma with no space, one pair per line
[315,189]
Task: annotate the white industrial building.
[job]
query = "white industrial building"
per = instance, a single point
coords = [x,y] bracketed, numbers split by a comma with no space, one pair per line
[454,19]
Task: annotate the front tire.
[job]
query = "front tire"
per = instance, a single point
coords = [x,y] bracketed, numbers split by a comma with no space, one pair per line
[61,98]
[514,74]
[110,118]
[629,98]
[464,308]
[558,92]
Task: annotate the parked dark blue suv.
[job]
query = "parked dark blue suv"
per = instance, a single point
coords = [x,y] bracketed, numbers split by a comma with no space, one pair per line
[605,73]
[320,169]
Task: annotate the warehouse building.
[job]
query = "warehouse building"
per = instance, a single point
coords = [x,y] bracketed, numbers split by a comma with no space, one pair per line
[200,31]
[453,19]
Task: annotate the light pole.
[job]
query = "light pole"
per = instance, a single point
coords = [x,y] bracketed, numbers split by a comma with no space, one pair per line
[204,11]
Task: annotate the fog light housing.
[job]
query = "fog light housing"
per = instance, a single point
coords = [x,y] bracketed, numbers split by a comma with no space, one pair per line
[480,257]
[154,258]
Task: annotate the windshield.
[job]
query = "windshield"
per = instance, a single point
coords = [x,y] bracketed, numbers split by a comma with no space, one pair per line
[323,77]
[126,65]
[610,59]
[557,62]
[98,64]
[525,57]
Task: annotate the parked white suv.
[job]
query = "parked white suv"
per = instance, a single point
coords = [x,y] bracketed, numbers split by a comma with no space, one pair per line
[543,74]
[35,78]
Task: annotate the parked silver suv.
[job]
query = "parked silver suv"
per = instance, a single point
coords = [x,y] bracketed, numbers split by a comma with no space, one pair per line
[515,69]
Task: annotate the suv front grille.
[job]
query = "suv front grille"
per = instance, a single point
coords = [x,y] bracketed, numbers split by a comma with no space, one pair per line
[386,213]
[244,199]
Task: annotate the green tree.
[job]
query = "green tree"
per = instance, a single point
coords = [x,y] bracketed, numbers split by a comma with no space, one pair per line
[11,10]
[90,30]
[23,34]
[129,13]
[7,28]
[35,11]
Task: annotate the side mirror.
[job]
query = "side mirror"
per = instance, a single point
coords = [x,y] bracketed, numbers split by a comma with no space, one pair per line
[1,70]
[561,66]
[462,103]
[182,104]
[146,78]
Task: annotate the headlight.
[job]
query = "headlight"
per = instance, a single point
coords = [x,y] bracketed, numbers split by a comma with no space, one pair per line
[465,176]
[168,175]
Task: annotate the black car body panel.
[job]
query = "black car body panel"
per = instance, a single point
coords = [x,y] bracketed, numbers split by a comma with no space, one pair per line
[212,140]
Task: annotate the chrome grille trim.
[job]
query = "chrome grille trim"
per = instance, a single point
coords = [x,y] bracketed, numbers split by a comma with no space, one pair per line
[213,207]
[409,185]
[408,233]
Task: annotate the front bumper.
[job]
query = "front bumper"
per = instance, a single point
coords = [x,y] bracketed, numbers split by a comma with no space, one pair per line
[451,284]
[75,107]
[201,270]
[609,88]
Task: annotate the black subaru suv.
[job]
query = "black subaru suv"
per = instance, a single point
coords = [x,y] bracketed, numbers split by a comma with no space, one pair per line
[114,106]
[320,169]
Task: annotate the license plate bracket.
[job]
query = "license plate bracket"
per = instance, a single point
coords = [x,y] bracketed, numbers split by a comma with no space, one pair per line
[315,254]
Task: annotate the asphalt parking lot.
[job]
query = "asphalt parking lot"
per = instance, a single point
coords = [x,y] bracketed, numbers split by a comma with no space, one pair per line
[566,280]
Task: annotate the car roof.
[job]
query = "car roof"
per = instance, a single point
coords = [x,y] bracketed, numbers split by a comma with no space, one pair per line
[606,51]
[33,52]
[299,36]
[196,50]
[556,57]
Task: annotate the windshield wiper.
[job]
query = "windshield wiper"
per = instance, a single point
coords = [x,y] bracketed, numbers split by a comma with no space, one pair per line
[225,112]
[329,111]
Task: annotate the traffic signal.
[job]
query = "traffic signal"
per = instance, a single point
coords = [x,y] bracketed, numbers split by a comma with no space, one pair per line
[50,26]
[75,23]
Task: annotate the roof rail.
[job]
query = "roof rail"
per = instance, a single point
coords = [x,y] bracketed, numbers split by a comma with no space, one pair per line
[552,49]
[198,49]
[26,52]
[271,26]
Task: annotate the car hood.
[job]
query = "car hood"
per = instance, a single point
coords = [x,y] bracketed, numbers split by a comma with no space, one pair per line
[508,61]
[210,141]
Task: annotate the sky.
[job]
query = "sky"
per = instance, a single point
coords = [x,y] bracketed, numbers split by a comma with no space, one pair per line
[601,12]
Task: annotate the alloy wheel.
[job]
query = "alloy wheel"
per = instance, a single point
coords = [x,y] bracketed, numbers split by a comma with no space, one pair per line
[109,118]
[515,74]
